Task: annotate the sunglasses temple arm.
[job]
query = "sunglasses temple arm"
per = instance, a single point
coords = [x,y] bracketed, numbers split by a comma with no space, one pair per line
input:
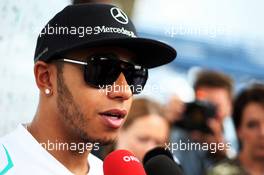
[74,61]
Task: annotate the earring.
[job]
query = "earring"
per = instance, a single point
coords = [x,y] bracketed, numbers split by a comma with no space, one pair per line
[47,91]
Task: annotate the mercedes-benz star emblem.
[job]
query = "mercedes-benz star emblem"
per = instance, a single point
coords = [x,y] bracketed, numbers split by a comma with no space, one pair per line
[119,15]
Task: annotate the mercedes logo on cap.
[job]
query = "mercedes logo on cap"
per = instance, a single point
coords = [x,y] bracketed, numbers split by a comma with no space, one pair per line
[119,15]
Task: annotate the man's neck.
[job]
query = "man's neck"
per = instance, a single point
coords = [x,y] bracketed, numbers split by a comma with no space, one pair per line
[48,132]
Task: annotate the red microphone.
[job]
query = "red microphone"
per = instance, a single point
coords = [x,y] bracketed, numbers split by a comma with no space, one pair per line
[122,162]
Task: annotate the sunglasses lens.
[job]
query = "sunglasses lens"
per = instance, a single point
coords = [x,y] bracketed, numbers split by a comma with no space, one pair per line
[136,79]
[101,73]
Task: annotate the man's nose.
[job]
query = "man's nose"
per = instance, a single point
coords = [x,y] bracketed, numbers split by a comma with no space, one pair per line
[120,89]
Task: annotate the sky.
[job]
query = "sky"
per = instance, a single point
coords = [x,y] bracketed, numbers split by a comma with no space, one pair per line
[240,19]
[229,22]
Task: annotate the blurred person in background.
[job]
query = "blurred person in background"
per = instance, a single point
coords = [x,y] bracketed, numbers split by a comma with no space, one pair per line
[217,88]
[248,117]
[174,109]
[213,94]
[145,128]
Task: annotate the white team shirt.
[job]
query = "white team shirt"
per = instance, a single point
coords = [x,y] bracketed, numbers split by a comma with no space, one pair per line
[20,153]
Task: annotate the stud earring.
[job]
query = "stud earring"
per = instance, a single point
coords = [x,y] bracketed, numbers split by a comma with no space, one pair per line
[47,91]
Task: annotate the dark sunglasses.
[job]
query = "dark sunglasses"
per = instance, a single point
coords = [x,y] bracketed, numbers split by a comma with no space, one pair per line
[101,71]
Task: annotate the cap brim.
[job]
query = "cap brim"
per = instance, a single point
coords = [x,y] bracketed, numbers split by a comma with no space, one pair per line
[150,53]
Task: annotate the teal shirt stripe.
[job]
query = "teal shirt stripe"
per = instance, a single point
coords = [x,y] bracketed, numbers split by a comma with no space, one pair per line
[9,165]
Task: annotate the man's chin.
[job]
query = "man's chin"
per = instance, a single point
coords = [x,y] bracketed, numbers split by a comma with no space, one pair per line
[107,140]
[102,140]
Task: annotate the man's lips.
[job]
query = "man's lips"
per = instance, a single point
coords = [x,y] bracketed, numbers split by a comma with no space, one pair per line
[114,117]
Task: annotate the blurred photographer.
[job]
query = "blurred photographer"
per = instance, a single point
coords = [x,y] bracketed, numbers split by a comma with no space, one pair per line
[217,89]
[207,121]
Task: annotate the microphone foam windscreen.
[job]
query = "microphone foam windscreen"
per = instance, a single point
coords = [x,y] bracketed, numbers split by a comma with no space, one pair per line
[162,165]
[157,151]
[122,162]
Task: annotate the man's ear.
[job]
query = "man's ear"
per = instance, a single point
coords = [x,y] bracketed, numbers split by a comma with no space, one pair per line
[44,74]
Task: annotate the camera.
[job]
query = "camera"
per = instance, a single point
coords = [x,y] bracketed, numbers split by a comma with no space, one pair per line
[196,115]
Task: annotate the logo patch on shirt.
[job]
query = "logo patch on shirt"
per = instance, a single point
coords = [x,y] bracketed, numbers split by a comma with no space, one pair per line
[9,162]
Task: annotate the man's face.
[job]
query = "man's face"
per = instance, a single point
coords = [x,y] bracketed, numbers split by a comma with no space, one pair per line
[80,106]
[218,97]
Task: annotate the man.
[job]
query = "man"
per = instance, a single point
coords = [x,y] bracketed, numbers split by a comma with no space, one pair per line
[217,89]
[214,88]
[88,64]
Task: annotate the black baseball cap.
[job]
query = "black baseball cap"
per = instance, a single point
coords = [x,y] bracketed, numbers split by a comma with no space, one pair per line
[94,25]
